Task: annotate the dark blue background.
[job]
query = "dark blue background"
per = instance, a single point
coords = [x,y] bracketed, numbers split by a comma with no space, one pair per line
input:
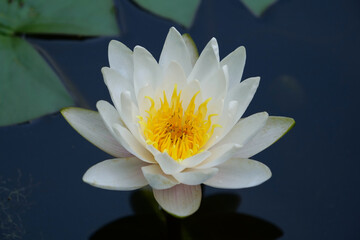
[307,54]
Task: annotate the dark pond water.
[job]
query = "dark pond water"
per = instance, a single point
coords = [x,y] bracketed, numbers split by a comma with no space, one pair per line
[307,53]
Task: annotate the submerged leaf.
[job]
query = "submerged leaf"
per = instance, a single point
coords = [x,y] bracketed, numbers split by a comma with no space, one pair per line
[81,17]
[180,11]
[28,86]
[258,7]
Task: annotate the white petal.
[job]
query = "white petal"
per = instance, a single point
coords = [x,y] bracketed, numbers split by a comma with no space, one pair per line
[207,64]
[157,179]
[192,49]
[235,62]
[117,174]
[237,101]
[195,160]
[125,137]
[143,102]
[173,74]
[219,155]
[274,129]
[175,50]
[215,86]
[180,200]
[189,91]
[90,125]
[195,176]
[245,129]
[128,112]
[109,114]
[168,164]
[121,59]
[116,85]
[239,173]
[243,93]
[146,70]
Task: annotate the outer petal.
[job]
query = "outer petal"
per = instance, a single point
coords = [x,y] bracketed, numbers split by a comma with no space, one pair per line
[116,85]
[219,155]
[180,200]
[129,142]
[90,125]
[195,176]
[146,70]
[168,164]
[157,179]
[117,174]
[275,128]
[121,59]
[243,93]
[109,115]
[196,159]
[237,101]
[208,62]
[239,173]
[235,62]
[245,129]
[175,50]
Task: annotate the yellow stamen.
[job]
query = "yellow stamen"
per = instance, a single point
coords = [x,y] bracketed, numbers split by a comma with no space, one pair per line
[180,133]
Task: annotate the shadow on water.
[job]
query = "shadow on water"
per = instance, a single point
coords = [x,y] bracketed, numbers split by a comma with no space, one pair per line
[216,219]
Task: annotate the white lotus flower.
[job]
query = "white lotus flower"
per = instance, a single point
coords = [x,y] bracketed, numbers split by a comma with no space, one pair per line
[177,124]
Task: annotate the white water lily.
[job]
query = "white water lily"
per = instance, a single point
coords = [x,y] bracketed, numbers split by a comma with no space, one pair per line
[177,123]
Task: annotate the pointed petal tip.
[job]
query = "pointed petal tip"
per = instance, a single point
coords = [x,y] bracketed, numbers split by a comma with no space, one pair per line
[255,81]
[266,176]
[213,40]
[291,122]
[101,104]
[174,30]
[63,111]
[241,49]
[113,42]
[139,48]
[67,111]
[104,69]
[117,44]
[264,114]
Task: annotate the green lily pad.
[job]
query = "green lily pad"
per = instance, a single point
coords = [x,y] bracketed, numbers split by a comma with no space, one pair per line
[28,86]
[180,11]
[80,17]
[258,7]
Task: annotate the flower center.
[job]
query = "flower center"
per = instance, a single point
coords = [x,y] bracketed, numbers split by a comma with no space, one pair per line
[180,133]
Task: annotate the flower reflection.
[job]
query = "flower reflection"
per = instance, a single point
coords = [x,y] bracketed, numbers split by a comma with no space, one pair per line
[221,222]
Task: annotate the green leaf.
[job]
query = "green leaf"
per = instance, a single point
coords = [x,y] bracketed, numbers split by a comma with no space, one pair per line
[78,17]
[180,11]
[28,86]
[258,7]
